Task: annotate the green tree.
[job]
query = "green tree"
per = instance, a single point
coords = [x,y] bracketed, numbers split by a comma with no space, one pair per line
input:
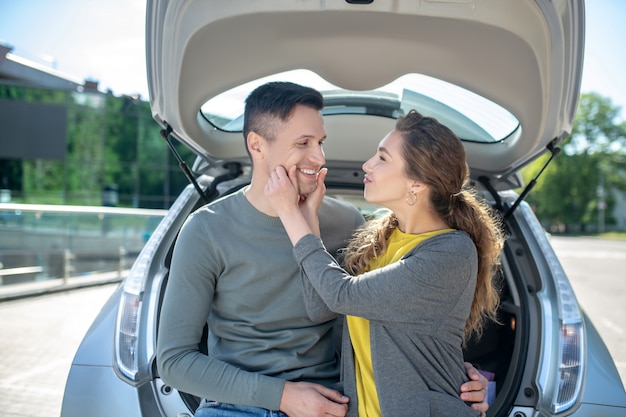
[110,140]
[86,140]
[592,162]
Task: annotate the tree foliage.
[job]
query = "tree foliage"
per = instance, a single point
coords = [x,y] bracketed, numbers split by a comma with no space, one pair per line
[592,163]
[110,140]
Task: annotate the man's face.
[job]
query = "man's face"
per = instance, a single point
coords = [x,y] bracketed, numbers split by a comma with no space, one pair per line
[298,142]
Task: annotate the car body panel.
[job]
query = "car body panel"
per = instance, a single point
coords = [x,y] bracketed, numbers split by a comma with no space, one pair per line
[112,398]
[603,384]
[97,346]
[93,362]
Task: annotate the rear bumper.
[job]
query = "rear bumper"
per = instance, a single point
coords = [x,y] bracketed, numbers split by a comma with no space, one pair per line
[595,410]
[96,391]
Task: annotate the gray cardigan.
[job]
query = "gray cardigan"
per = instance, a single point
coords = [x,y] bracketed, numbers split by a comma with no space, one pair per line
[417,308]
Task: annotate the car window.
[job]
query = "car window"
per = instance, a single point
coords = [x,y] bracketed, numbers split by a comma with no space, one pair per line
[472,117]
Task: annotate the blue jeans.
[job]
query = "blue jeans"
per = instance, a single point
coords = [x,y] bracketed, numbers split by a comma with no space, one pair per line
[215,409]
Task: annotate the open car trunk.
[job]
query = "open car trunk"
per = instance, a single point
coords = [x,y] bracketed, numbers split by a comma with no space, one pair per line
[500,351]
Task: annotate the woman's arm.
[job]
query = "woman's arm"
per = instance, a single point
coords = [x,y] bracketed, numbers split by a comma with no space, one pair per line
[425,285]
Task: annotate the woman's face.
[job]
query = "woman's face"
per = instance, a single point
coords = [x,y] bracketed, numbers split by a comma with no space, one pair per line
[386,182]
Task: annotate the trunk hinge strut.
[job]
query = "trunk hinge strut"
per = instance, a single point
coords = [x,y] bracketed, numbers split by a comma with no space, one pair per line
[234,170]
[165,133]
[554,151]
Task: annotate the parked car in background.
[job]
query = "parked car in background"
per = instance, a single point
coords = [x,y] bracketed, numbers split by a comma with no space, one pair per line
[504,75]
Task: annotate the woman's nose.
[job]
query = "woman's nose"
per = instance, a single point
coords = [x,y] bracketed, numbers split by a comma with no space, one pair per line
[365,166]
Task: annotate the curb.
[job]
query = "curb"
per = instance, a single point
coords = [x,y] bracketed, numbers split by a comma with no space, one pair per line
[51,286]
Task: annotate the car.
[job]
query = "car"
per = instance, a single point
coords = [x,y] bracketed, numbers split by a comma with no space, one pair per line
[504,75]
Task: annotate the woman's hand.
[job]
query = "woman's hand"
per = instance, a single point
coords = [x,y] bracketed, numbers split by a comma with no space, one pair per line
[310,204]
[281,191]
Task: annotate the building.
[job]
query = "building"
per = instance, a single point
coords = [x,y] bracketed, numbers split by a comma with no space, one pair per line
[15,70]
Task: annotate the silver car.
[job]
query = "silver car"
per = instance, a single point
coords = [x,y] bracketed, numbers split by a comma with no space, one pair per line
[504,75]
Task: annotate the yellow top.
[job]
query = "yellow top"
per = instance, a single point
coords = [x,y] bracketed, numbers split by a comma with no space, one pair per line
[359,328]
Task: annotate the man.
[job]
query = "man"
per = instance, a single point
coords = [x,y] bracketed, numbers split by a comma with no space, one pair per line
[233,267]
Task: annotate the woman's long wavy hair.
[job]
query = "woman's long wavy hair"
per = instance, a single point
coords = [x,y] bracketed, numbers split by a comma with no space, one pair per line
[435,156]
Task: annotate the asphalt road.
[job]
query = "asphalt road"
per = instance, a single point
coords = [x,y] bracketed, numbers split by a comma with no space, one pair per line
[39,335]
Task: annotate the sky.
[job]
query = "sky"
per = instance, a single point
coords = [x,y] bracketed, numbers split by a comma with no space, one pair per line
[104,41]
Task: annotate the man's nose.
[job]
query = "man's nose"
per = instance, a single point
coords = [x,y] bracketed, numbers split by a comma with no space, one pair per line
[318,156]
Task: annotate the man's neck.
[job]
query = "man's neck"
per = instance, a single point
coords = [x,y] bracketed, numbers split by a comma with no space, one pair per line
[255,194]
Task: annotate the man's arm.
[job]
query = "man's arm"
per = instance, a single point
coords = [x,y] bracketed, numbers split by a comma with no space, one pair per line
[187,302]
[475,390]
[185,308]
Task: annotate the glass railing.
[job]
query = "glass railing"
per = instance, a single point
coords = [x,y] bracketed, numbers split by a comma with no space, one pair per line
[47,242]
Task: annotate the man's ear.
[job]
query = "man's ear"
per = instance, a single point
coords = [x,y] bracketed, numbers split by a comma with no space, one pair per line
[255,143]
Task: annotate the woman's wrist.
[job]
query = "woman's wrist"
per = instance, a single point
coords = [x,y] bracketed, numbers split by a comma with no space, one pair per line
[296,226]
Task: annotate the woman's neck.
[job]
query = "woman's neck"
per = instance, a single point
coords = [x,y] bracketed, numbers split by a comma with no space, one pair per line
[420,221]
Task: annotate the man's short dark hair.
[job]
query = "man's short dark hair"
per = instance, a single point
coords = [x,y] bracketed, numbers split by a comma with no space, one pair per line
[274,102]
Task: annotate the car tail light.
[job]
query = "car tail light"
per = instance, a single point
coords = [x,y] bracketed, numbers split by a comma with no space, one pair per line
[126,336]
[132,362]
[563,360]
[571,369]
[571,340]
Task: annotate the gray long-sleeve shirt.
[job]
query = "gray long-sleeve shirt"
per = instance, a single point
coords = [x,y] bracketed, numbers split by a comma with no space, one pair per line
[417,308]
[233,267]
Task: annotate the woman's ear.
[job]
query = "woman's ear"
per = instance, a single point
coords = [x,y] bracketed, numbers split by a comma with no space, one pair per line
[418,186]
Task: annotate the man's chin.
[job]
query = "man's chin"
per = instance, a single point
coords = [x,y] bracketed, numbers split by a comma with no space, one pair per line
[304,189]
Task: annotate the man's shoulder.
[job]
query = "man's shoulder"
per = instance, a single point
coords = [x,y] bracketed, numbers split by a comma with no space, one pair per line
[225,202]
[334,212]
[226,205]
[338,220]
[331,205]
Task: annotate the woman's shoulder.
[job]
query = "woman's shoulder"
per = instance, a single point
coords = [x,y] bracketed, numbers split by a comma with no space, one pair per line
[457,241]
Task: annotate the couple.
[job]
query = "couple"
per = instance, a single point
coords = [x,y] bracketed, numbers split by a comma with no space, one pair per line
[270,342]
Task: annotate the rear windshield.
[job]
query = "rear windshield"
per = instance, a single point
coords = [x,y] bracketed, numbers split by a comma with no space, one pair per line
[472,117]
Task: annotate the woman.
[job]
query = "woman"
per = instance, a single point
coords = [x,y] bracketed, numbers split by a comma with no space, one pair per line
[417,281]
